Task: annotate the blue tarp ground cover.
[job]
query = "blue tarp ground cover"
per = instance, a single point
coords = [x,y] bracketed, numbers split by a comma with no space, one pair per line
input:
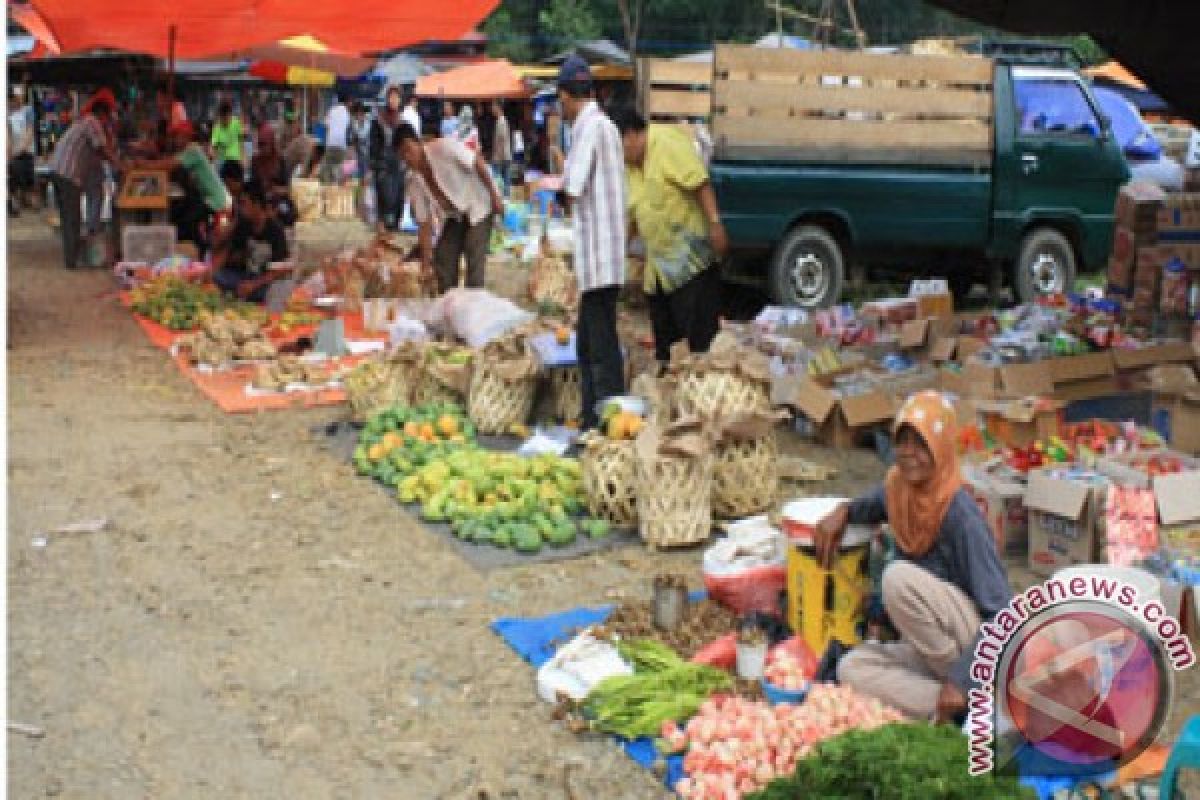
[536,639]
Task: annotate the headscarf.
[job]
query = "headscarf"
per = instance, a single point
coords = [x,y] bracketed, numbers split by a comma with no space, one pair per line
[915,513]
[104,95]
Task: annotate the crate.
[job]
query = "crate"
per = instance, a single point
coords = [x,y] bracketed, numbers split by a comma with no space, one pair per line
[147,244]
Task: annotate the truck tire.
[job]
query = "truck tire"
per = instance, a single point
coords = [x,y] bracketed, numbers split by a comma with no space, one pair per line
[807,269]
[1045,265]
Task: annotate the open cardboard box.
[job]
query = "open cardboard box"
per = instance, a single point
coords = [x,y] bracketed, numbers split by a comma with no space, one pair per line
[839,421]
[985,382]
[1002,501]
[1021,422]
[1065,512]
[1177,398]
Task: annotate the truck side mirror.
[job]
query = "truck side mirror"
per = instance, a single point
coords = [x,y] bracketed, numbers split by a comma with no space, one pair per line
[1105,127]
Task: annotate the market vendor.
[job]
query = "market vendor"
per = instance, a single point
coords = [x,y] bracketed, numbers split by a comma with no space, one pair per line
[449,181]
[240,265]
[268,168]
[948,578]
[673,209]
[206,204]
[594,183]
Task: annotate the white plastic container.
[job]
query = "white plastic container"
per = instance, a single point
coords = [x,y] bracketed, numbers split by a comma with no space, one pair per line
[751,660]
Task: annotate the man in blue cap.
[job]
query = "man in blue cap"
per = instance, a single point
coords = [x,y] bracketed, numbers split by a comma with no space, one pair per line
[594,182]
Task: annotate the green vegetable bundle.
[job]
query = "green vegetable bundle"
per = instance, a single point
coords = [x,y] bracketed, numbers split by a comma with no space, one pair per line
[902,761]
[664,687]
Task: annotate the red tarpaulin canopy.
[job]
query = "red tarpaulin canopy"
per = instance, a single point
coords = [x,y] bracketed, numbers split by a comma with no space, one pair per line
[474,82]
[207,27]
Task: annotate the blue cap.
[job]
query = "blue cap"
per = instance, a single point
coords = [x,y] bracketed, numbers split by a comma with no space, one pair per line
[574,71]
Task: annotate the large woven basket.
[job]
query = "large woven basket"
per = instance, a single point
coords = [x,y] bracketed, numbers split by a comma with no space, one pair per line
[367,390]
[609,478]
[719,392]
[552,281]
[429,390]
[566,393]
[495,404]
[307,196]
[673,500]
[745,476]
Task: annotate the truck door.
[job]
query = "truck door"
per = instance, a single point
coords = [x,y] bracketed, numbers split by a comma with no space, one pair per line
[1063,164]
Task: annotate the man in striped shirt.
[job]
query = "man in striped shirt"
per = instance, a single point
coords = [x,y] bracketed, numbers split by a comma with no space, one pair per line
[80,154]
[594,182]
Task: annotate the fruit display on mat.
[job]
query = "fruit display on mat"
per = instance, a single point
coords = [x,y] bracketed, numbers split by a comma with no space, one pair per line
[291,320]
[174,303]
[289,370]
[397,442]
[226,337]
[428,454]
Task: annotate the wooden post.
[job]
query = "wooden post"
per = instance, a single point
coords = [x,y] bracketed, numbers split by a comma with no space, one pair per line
[171,65]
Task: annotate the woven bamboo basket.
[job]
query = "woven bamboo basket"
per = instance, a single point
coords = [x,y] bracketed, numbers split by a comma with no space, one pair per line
[307,195]
[429,390]
[719,392]
[673,500]
[566,393]
[494,404]
[337,202]
[609,478]
[404,378]
[745,476]
[367,390]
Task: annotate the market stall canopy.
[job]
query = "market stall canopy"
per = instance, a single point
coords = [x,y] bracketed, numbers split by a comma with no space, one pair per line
[308,52]
[1141,34]
[207,27]
[600,72]
[474,82]
[597,51]
[402,69]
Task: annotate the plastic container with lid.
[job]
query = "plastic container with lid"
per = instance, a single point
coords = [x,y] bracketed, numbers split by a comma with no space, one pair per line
[800,518]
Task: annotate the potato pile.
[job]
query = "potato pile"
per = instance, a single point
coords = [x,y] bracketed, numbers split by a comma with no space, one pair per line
[226,337]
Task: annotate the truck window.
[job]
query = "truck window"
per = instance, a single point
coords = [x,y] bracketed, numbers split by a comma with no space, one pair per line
[1047,106]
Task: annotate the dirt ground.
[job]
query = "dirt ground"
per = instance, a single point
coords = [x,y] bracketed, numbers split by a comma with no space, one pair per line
[256,622]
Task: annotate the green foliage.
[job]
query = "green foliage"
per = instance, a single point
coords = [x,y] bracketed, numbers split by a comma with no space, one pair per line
[572,20]
[914,761]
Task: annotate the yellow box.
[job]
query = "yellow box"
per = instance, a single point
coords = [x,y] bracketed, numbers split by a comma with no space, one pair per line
[826,604]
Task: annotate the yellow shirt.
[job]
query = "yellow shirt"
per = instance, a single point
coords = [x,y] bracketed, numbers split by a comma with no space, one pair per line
[662,203]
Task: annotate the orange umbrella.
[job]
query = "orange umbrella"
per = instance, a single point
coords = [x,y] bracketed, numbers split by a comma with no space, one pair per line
[201,28]
[474,82]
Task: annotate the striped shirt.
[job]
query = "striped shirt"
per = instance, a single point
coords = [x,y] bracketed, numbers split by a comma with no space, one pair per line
[80,152]
[594,177]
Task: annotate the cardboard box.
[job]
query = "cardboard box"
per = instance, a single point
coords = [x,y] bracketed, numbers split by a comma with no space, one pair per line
[1138,204]
[1082,377]
[1176,496]
[1064,515]
[1020,423]
[1002,502]
[1120,275]
[985,382]
[935,305]
[1187,252]
[1180,409]
[840,421]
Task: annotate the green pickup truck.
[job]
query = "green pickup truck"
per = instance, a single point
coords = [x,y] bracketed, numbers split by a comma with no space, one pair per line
[1032,208]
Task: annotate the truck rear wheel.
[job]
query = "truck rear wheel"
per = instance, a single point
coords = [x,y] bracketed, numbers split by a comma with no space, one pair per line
[807,269]
[1045,265]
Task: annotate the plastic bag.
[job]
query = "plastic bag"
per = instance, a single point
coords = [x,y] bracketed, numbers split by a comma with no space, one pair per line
[478,317]
[578,666]
[720,653]
[746,571]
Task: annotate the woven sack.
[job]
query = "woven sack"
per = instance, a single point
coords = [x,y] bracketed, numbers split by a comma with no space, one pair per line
[609,476]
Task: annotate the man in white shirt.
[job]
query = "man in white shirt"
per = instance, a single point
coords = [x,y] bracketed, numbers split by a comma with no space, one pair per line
[449,181]
[411,114]
[594,182]
[337,134]
[21,175]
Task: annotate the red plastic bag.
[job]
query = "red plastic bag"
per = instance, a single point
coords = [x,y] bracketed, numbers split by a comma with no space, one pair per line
[753,589]
[800,652]
[720,653]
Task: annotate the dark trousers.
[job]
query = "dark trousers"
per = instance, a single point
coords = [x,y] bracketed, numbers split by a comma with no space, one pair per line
[690,312]
[389,194]
[460,238]
[70,219]
[601,371]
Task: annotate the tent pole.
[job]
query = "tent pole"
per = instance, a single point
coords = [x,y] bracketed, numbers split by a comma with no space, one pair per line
[171,63]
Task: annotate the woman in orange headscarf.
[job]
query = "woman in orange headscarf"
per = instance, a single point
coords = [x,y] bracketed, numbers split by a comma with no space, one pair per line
[947,580]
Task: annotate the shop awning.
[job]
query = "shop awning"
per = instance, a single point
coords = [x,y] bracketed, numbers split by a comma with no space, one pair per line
[208,27]
[474,82]
[600,72]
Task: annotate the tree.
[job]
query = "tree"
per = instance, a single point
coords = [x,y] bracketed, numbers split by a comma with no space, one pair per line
[631,23]
[570,21]
[503,41]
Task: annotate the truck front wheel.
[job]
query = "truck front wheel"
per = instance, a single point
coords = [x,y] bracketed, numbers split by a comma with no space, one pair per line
[807,269]
[1045,265]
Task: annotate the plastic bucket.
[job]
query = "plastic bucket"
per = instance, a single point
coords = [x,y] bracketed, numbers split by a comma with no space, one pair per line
[800,517]
[751,660]
[829,604]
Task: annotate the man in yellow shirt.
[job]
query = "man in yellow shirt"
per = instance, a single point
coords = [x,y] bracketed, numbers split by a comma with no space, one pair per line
[673,209]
